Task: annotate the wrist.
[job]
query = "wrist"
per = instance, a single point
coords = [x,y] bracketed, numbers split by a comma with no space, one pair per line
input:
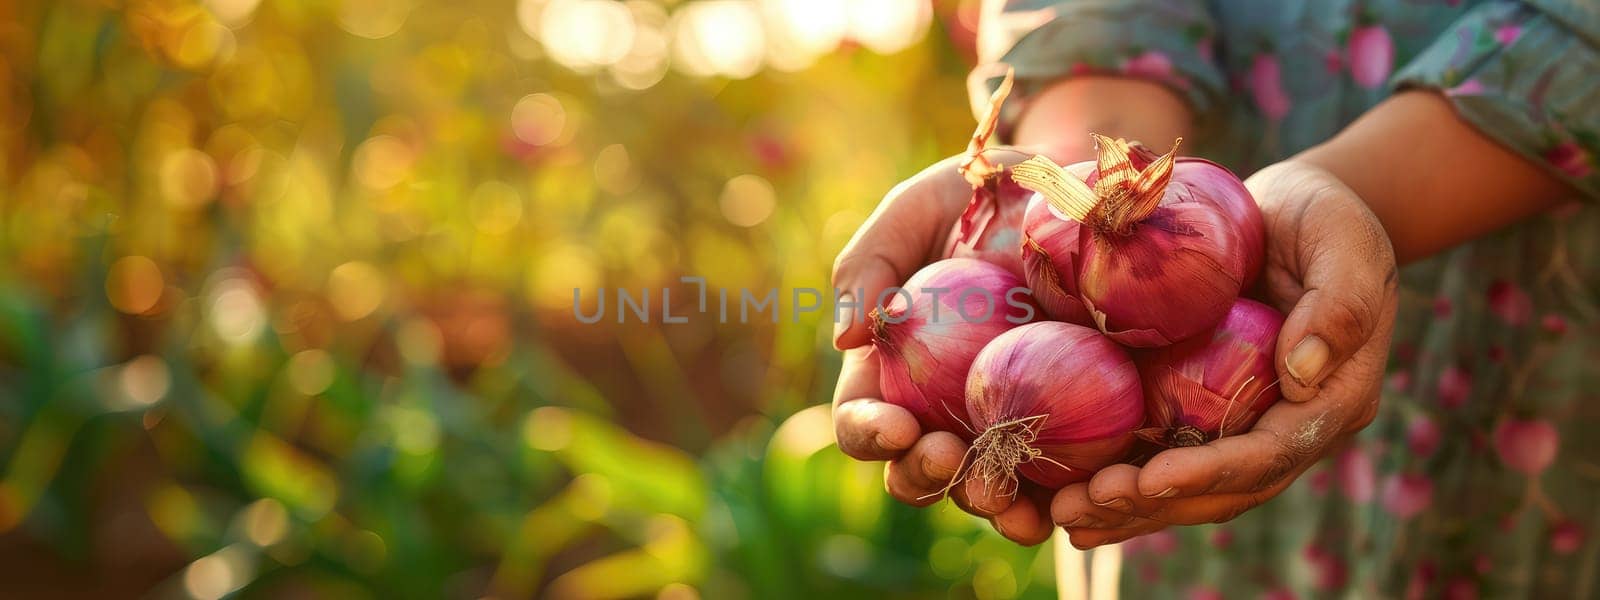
[1056,121]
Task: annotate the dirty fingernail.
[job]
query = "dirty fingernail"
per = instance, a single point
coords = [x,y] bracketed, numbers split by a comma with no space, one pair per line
[1115,504]
[1306,361]
[1166,493]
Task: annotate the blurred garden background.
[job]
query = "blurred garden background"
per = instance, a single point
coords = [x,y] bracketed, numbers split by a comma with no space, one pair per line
[286,297]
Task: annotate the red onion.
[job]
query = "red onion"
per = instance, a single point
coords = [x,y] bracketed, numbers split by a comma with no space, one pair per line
[1052,401]
[929,332]
[1216,385]
[991,227]
[1156,250]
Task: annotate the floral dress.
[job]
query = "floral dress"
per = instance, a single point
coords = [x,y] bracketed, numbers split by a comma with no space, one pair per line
[1481,475]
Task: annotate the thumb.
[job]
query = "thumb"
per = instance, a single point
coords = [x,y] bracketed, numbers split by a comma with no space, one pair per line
[860,276]
[906,231]
[1348,278]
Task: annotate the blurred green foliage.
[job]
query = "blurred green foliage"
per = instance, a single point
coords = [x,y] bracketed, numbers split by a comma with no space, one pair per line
[285,308]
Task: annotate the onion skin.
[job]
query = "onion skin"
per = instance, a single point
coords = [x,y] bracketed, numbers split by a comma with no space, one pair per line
[923,362]
[991,228]
[1075,393]
[1213,385]
[1161,255]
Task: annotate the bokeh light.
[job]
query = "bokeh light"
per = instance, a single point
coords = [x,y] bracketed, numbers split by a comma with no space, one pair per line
[583,34]
[719,37]
[747,200]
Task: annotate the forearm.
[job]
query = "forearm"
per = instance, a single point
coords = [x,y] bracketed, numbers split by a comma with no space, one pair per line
[1433,180]
[1059,118]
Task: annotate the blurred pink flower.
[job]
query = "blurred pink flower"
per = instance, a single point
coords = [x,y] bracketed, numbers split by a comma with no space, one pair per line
[1329,570]
[1422,436]
[1442,308]
[1150,63]
[1333,61]
[1569,158]
[1407,494]
[1266,87]
[1470,87]
[1455,386]
[1399,381]
[1554,323]
[1527,445]
[1508,33]
[1357,478]
[1371,55]
[1567,537]
[1510,303]
[1222,538]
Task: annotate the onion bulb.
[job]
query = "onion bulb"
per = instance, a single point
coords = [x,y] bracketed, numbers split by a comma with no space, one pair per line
[1154,249]
[1053,402]
[991,227]
[1215,385]
[932,328]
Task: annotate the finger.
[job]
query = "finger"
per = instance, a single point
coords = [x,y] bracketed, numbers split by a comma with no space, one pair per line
[1213,508]
[865,427]
[1024,522]
[1072,508]
[1084,538]
[1287,440]
[1348,274]
[1116,488]
[919,477]
[907,230]
[987,498]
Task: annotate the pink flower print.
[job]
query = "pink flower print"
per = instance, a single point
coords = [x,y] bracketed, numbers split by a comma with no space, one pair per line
[1567,537]
[1422,436]
[1356,475]
[1470,87]
[1333,61]
[1329,571]
[1455,386]
[1554,324]
[1222,538]
[1527,445]
[1266,87]
[1510,303]
[1508,33]
[1371,55]
[1406,495]
[1150,63]
[1442,308]
[1569,158]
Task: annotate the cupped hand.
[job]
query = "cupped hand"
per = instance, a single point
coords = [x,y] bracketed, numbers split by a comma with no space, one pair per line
[1330,268]
[908,230]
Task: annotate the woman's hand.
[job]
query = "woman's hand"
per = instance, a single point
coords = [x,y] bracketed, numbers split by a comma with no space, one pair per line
[1331,269]
[907,231]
